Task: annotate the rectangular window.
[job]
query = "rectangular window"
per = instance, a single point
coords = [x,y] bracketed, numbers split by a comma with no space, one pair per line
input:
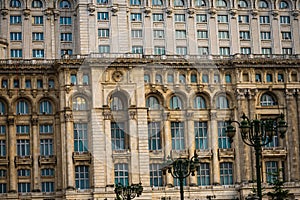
[201,139]
[47,186]
[269,78]
[39,83]
[102,2]
[82,180]
[46,147]
[37,36]
[2,148]
[80,137]
[3,173]
[203,174]
[136,17]
[24,187]
[286,35]
[223,35]
[177,134]
[159,50]
[180,34]
[154,136]
[245,35]
[179,17]
[223,140]
[16,53]
[193,78]
[47,172]
[73,79]
[264,19]
[223,18]
[287,51]
[159,34]
[65,21]
[226,173]
[27,83]
[37,20]
[23,129]
[137,49]
[136,33]
[4,83]
[51,83]
[15,19]
[66,51]
[244,19]
[24,172]
[265,35]
[266,51]
[16,83]
[158,17]
[121,174]
[38,53]
[103,33]
[2,129]
[225,51]
[202,34]
[117,136]
[201,18]
[203,51]
[155,175]
[271,171]
[181,50]
[15,36]
[66,37]
[285,20]
[3,188]
[227,78]
[23,147]
[104,49]
[46,129]
[280,78]
[245,50]
[102,16]
[85,79]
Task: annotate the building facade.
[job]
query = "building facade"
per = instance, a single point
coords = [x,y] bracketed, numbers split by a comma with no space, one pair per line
[95,93]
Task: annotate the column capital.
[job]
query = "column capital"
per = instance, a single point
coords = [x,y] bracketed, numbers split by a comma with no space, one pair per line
[106,114]
[213,115]
[10,120]
[34,121]
[68,116]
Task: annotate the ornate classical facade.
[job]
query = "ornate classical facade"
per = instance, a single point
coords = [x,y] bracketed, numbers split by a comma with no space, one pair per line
[95,93]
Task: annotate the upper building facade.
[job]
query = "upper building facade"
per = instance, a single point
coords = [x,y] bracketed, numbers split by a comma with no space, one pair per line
[98,93]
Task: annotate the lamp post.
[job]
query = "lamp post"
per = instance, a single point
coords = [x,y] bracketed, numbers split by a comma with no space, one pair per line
[258,133]
[128,192]
[181,168]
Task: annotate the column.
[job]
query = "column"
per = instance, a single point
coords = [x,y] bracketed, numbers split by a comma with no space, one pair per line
[108,149]
[168,144]
[170,40]
[35,154]
[215,147]
[59,152]
[69,147]
[148,34]
[254,24]
[276,35]
[12,153]
[295,33]
[191,142]
[134,162]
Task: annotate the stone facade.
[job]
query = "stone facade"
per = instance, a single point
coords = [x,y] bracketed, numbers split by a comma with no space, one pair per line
[99,92]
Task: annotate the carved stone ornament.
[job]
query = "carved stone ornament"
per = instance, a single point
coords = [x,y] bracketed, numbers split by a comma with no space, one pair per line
[11,120]
[107,115]
[132,114]
[295,13]
[213,115]
[254,13]
[68,117]
[4,12]
[147,11]
[48,13]
[233,13]
[91,8]
[169,11]
[212,12]
[275,14]
[26,13]
[114,10]
[34,121]
[117,76]
[191,12]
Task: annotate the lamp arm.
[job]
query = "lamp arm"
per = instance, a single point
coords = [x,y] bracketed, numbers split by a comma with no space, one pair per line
[248,142]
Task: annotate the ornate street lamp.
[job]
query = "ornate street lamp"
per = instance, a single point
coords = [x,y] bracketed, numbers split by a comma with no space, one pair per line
[181,168]
[258,133]
[128,192]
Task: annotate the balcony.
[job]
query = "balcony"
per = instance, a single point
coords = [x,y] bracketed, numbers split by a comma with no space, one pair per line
[82,157]
[204,154]
[226,154]
[23,160]
[47,160]
[274,152]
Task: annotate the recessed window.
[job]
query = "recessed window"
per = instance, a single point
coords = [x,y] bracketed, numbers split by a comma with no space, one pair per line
[245,35]
[181,50]
[223,35]
[216,78]
[225,51]
[16,53]
[244,19]
[16,83]
[137,33]
[257,77]
[170,78]
[177,134]
[264,19]
[227,78]
[245,50]
[243,4]
[152,103]
[39,83]
[147,78]
[263,4]
[136,17]
[85,79]
[51,83]
[175,103]
[79,103]
[45,107]
[283,5]
[15,4]
[200,3]
[280,77]
[102,16]
[36,4]
[135,2]
[222,102]
[73,79]
[223,18]
[159,34]
[179,17]
[178,2]
[180,34]
[158,50]
[103,33]
[201,18]
[193,78]
[15,19]
[157,2]
[182,78]
[287,51]
[203,51]
[266,51]
[15,36]
[65,21]
[104,49]
[38,53]
[158,78]
[64,4]
[267,100]
[38,20]
[221,3]
[4,83]
[269,78]
[202,34]
[199,102]
[102,2]
[205,78]
[158,17]
[116,103]
[285,20]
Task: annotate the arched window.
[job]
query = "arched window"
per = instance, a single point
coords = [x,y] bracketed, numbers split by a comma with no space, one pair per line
[2,108]
[36,4]
[175,103]
[158,78]
[152,103]
[147,78]
[65,4]
[46,107]
[79,103]
[182,78]
[283,5]
[222,102]
[221,3]
[15,4]
[263,4]
[243,4]
[178,3]
[135,2]
[200,3]
[267,100]
[157,2]
[199,102]
[22,108]
[116,103]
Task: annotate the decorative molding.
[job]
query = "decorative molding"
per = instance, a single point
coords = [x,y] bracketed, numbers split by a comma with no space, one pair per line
[114,9]
[11,120]
[4,13]
[147,11]
[213,115]
[91,9]
[68,117]
[26,13]
[34,121]
[107,115]
[132,114]
[169,11]
[191,12]
[166,116]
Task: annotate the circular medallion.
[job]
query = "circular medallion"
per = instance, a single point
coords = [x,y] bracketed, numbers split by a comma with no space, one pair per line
[117,76]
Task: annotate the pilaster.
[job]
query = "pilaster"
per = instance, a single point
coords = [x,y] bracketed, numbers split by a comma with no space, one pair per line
[12,154]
